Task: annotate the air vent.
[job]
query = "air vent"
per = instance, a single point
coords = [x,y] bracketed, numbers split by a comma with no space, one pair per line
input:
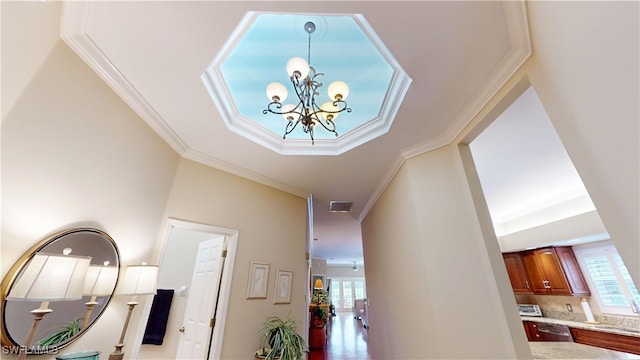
[340,206]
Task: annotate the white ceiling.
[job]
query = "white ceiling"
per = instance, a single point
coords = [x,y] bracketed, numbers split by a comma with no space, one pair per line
[342,48]
[153,55]
[522,164]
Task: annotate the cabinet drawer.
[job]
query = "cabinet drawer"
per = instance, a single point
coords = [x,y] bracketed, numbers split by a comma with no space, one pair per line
[547,332]
[629,344]
[551,332]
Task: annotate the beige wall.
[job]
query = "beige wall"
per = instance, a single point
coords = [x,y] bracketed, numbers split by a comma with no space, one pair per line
[318,266]
[586,75]
[73,154]
[584,69]
[209,196]
[344,271]
[432,288]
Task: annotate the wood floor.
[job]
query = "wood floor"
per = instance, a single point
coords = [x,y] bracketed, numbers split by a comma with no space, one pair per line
[346,340]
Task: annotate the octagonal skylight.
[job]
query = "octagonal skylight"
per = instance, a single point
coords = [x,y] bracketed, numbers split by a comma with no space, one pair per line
[343,47]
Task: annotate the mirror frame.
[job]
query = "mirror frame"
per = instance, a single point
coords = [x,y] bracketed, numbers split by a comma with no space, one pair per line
[20,264]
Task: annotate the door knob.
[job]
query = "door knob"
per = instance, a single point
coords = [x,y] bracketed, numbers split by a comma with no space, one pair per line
[181,329]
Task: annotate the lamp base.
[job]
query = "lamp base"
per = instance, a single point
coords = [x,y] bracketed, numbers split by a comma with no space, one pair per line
[117,354]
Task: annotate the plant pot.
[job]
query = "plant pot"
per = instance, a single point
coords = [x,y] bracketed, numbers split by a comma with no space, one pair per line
[318,322]
[317,338]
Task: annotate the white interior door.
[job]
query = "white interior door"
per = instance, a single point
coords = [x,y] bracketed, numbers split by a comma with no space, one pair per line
[201,301]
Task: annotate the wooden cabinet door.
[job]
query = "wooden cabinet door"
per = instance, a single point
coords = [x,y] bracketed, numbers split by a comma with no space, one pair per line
[548,261]
[536,276]
[531,330]
[550,270]
[517,273]
[572,271]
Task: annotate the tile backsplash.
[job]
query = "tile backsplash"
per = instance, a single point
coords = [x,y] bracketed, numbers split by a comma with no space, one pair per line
[555,307]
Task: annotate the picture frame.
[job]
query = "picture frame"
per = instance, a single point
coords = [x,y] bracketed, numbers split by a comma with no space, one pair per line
[322,278]
[258,280]
[282,293]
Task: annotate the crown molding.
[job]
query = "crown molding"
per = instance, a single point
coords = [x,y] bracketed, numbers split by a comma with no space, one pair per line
[73,30]
[518,28]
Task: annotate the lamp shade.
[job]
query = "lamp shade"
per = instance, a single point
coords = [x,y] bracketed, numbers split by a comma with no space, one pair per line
[277,92]
[51,277]
[338,90]
[330,111]
[139,280]
[318,284]
[287,115]
[100,280]
[298,64]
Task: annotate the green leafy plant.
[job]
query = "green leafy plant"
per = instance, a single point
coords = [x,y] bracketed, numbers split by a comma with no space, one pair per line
[319,315]
[320,297]
[281,340]
[62,332]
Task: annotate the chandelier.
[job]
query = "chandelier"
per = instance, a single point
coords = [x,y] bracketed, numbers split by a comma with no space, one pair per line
[304,79]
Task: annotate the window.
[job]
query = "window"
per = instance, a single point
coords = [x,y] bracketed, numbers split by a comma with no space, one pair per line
[608,279]
[345,290]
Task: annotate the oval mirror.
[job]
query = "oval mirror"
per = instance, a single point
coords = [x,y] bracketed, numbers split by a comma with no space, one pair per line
[68,319]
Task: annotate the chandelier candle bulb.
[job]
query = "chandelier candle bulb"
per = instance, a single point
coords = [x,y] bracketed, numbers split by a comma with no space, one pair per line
[297,66]
[277,92]
[338,90]
[287,112]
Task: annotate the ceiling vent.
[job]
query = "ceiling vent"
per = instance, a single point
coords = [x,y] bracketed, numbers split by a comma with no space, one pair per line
[340,206]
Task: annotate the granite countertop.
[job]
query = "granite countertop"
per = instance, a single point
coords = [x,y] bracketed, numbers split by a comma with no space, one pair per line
[569,350]
[582,325]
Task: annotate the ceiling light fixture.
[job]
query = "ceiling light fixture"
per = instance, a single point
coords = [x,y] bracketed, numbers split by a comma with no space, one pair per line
[355,266]
[304,80]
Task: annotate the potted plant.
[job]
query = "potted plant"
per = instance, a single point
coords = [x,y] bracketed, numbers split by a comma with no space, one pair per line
[280,340]
[318,316]
[62,332]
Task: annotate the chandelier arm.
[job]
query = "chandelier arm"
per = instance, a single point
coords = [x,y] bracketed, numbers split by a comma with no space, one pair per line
[330,127]
[291,125]
[276,105]
[338,104]
[310,131]
[299,88]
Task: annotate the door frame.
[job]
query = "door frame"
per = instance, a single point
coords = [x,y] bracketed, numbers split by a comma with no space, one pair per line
[231,235]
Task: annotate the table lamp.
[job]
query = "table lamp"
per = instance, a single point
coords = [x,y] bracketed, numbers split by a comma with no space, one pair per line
[318,284]
[137,280]
[48,277]
[99,281]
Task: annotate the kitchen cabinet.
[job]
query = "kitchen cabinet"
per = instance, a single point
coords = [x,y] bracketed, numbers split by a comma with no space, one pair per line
[629,344]
[554,271]
[518,275]
[547,332]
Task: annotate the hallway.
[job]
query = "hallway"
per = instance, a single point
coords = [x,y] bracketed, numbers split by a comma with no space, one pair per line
[346,340]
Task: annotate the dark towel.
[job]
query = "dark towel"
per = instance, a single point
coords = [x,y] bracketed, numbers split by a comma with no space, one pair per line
[157,324]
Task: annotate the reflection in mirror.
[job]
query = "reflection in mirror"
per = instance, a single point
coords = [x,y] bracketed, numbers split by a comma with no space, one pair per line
[68,320]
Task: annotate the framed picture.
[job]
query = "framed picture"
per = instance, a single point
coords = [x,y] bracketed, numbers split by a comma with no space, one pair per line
[258,278]
[314,280]
[283,287]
